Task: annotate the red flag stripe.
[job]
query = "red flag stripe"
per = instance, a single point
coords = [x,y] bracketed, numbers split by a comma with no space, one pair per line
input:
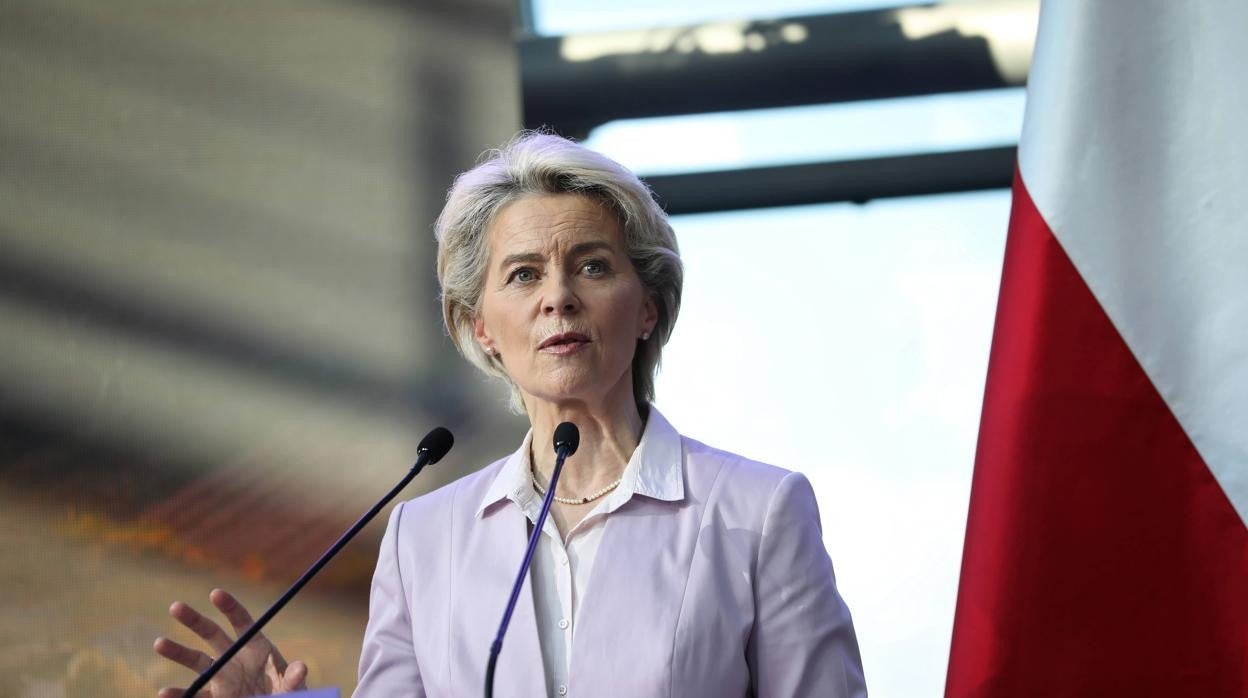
[1102,558]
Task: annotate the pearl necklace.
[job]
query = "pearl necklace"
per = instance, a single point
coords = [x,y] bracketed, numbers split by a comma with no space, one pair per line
[571,500]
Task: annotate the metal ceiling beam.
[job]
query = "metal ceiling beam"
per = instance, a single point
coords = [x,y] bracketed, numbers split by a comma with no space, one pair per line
[855,181]
[574,83]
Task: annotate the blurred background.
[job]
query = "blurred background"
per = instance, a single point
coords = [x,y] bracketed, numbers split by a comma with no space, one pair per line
[218,320]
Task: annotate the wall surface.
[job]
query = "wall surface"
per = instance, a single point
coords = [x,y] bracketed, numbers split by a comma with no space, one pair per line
[219,334]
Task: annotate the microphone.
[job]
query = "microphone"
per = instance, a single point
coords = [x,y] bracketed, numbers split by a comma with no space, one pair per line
[430,450]
[567,438]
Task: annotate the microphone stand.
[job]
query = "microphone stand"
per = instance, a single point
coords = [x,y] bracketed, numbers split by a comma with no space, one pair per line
[429,451]
[561,454]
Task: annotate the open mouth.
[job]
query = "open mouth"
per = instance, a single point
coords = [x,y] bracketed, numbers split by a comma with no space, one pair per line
[563,343]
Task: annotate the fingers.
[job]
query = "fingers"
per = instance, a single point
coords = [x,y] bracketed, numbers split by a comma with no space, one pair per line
[179,692]
[234,611]
[194,660]
[295,676]
[201,626]
[241,619]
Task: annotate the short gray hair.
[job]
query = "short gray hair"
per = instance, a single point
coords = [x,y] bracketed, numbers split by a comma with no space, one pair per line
[535,163]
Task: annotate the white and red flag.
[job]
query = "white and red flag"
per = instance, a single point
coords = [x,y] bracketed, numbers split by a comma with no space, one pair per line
[1107,546]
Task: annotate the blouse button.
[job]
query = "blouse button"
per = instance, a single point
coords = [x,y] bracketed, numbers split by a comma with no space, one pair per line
[563,623]
[563,690]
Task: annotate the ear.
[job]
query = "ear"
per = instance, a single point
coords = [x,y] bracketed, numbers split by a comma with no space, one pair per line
[649,314]
[479,333]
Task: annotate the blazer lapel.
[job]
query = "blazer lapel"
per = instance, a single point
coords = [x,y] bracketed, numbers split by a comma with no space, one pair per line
[490,565]
[634,597]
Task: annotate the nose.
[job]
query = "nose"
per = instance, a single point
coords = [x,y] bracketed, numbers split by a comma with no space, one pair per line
[560,298]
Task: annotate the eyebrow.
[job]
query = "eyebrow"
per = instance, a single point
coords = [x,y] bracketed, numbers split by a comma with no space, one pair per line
[511,259]
[533,257]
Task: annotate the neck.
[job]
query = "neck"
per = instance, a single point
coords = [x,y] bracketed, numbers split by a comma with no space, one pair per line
[610,432]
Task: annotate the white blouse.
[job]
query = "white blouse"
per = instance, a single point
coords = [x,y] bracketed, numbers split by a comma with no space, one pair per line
[561,567]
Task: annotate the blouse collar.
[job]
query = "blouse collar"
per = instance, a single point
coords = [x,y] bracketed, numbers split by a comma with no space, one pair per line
[655,470]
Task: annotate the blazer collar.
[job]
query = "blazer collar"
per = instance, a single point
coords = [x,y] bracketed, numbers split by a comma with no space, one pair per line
[655,470]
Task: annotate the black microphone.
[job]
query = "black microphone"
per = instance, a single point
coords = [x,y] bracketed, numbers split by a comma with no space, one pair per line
[431,449]
[567,438]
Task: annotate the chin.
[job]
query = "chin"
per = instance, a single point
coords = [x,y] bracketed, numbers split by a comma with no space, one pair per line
[573,385]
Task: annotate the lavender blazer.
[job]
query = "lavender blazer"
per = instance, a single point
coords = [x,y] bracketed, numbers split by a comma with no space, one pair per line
[726,592]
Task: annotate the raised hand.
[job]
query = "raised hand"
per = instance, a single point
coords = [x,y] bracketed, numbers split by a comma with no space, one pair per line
[258,668]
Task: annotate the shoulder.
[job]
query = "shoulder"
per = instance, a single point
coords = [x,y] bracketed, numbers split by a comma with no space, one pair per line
[451,502]
[740,470]
[729,482]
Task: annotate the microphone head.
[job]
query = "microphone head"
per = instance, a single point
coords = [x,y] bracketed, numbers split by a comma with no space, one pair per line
[435,444]
[567,438]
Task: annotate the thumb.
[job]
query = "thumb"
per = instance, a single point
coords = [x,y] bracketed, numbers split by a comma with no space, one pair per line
[296,674]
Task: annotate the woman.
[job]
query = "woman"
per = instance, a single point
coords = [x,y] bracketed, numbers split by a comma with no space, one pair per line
[668,567]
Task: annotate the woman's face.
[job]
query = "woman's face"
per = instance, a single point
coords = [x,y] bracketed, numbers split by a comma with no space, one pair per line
[562,305]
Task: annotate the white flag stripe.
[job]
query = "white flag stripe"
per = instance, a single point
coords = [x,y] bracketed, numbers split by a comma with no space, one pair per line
[1135,152]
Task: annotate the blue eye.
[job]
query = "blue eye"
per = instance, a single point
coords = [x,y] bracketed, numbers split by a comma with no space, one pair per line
[523,275]
[594,268]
